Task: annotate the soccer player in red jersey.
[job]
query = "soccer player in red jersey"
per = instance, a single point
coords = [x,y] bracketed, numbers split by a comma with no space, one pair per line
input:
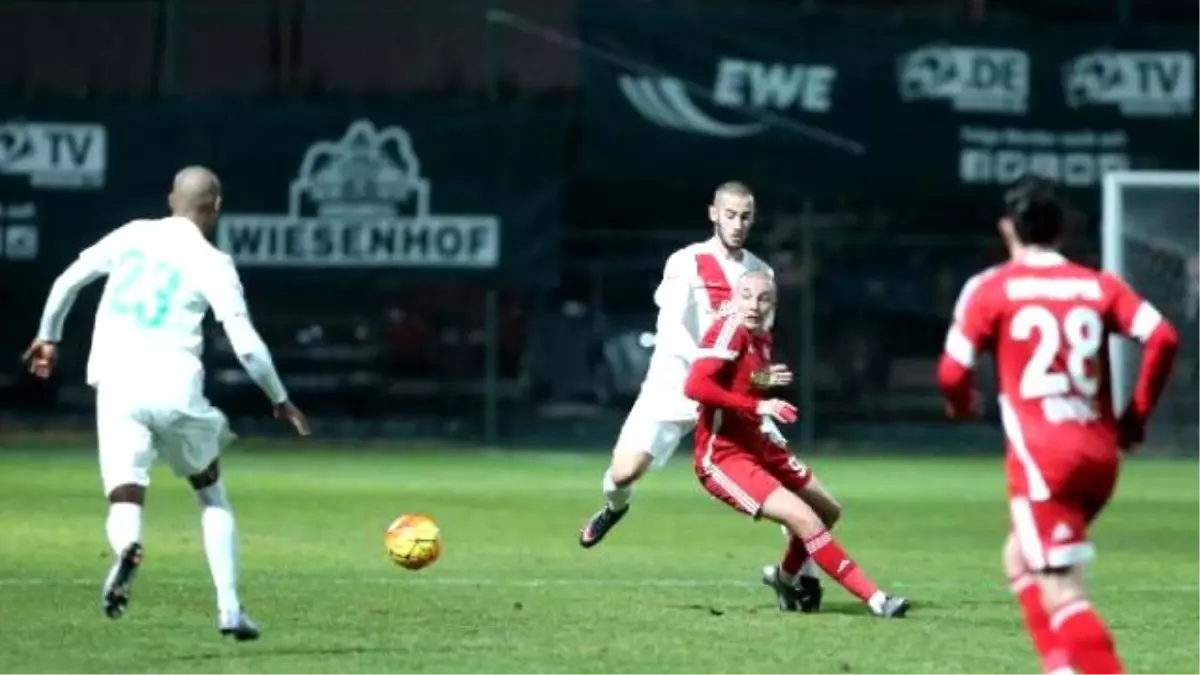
[1048,320]
[750,470]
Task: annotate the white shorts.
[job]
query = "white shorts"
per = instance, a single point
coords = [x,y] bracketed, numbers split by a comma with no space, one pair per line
[654,428]
[132,433]
[657,429]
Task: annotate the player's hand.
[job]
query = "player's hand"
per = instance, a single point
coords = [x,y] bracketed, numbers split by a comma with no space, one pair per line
[972,411]
[288,412]
[40,357]
[1131,431]
[780,411]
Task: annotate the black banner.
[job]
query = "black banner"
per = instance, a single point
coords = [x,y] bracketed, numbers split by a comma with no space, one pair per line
[866,108]
[325,193]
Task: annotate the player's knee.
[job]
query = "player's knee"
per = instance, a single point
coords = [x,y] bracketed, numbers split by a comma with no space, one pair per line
[791,511]
[209,476]
[129,493]
[627,467]
[830,513]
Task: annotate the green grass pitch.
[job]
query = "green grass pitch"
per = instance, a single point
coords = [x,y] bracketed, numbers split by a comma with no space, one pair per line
[673,589]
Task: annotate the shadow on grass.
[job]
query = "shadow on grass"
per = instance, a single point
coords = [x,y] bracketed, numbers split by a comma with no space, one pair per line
[838,608]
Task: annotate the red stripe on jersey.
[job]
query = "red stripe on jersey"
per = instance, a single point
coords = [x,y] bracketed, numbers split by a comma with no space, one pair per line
[716,284]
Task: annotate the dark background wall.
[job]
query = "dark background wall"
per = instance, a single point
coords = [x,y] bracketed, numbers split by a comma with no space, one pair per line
[878,135]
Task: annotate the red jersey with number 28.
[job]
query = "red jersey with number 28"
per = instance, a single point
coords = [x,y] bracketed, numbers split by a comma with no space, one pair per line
[1048,321]
[729,358]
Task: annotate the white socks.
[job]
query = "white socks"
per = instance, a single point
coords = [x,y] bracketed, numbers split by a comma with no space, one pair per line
[124,525]
[220,545]
[616,496]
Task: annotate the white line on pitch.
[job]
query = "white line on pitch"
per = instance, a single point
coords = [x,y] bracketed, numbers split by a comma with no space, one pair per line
[401,579]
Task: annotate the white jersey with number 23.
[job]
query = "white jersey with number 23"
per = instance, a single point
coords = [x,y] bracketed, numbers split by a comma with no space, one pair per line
[163,276]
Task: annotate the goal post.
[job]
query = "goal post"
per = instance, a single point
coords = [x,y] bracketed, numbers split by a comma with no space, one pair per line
[1150,237]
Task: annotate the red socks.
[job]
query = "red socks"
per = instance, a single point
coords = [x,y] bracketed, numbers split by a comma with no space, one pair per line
[1037,622]
[793,557]
[1081,631]
[832,558]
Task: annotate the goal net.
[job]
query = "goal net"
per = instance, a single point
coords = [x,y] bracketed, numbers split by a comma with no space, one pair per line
[1151,239]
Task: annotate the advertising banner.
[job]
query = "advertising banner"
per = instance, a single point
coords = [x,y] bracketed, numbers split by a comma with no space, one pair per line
[782,99]
[323,191]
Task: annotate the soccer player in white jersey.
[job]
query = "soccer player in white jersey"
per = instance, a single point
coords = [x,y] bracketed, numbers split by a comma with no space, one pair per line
[696,288]
[163,276]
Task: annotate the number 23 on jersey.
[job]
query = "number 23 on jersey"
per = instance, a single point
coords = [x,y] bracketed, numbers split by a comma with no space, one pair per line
[144,289]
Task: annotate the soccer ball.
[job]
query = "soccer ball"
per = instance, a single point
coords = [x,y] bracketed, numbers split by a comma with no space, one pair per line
[413,541]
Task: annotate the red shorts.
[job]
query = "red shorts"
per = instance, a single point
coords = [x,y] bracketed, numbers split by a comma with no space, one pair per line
[1053,505]
[744,479]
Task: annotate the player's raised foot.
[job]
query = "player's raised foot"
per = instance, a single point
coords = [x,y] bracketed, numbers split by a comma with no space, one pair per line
[238,626]
[787,596]
[598,525]
[119,584]
[810,594]
[891,607]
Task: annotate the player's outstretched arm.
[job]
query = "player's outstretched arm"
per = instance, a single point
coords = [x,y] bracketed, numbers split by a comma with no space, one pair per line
[92,264]
[256,359]
[223,290]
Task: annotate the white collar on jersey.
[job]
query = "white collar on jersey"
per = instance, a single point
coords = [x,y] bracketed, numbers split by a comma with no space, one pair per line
[1040,257]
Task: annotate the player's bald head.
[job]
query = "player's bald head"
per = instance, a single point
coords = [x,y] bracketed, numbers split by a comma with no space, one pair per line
[755,280]
[755,299]
[732,188]
[196,186]
[732,214]
[196,194]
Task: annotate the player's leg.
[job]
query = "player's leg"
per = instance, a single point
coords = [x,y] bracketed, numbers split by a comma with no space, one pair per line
[1052,535]
[644,442]
[191,445]
[1025,588]
[796,567]
[126,452]
[786,507]
[741,481]
[220,547]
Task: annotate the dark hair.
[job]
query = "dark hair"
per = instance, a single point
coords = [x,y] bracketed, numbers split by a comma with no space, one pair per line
[1038,216]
